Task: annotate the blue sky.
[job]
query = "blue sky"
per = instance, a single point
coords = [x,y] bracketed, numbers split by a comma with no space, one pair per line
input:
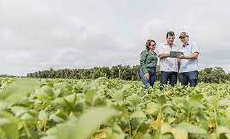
[37,35]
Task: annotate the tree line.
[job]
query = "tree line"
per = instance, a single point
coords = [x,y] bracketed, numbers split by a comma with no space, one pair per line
[208,75]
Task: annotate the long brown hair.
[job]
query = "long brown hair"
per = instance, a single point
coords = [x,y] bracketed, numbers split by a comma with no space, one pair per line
[148,42]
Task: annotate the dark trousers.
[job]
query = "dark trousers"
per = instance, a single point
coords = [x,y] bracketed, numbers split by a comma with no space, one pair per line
[152,77]
[166,77]
[189,77]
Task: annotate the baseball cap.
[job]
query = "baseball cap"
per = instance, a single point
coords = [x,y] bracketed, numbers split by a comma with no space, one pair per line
[183,34]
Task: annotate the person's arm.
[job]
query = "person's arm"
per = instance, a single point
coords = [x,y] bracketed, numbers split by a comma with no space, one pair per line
[163,55]
[194,55]
[143,64]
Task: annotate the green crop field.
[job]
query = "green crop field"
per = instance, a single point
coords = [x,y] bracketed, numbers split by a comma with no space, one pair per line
[111,109]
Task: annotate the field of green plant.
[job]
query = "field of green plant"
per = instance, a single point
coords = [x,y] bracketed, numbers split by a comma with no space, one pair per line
[111,109]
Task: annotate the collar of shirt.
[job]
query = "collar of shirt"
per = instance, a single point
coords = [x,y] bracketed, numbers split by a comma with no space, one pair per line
[184,45]
[168,44]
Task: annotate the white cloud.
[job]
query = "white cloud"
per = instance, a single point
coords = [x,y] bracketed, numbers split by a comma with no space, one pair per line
[36,35]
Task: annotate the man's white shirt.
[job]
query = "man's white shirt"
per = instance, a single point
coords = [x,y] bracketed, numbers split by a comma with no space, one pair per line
[167,64]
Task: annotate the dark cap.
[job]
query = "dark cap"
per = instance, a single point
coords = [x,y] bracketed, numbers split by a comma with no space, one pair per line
[183,34]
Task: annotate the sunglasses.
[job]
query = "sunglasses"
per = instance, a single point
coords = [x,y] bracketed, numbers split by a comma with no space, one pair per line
[182,37]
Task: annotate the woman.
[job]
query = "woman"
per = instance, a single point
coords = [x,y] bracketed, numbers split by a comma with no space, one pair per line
[148,64]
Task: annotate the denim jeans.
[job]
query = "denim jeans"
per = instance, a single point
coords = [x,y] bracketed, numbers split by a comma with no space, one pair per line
[166,77]
[189,77]
[152,77]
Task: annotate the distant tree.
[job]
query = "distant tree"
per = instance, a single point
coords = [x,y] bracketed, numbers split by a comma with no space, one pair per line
[208,75]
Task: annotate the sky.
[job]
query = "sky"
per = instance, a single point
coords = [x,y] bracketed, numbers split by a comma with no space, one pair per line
[42,34]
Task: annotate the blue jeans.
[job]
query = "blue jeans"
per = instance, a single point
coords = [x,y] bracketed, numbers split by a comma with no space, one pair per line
[166,77]
[189,77]
[152,77]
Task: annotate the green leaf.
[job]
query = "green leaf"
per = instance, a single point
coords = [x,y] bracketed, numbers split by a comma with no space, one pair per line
[19,89]
[57,117]
[60,85]
[42,115]
[227,112]
[227,135]
[134,99]
[28,117]
[196,97]
[161,100]
[3,105]
[8,125]
[84,127]
[192,128]
[118,96]
[165,128]
[47,89]
[18,110]
[224,102]
[71,99]
[179,133]
[90,97]
[195,100]
[117,133]
[42,96]
[222,130]
[138,114]
[152,108]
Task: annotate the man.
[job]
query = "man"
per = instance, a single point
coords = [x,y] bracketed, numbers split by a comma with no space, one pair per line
[188,61]
[168,65]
